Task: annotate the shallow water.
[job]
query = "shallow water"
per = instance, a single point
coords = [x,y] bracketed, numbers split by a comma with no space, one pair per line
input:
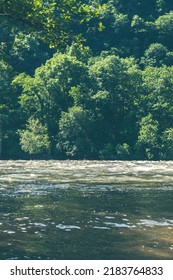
[86,210]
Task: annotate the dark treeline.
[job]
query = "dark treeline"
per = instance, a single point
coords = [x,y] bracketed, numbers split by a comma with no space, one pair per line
[86,79]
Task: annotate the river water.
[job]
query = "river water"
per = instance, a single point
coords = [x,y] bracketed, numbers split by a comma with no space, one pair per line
[86,210]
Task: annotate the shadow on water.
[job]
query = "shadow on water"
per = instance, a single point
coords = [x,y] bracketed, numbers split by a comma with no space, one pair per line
[64,213]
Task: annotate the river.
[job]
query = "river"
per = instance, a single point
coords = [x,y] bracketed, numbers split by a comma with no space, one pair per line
[86,210]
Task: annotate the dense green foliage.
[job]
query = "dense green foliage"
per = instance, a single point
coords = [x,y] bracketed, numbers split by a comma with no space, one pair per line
[86,79]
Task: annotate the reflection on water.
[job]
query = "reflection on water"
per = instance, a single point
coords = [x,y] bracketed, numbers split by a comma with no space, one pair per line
[86,210]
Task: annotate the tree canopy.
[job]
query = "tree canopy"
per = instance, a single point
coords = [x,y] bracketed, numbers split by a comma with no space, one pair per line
[86,79]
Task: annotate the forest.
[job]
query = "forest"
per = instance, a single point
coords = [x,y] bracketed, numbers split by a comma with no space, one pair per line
[89,79]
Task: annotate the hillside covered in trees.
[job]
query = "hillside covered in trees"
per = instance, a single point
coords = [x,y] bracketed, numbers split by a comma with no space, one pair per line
[86,79]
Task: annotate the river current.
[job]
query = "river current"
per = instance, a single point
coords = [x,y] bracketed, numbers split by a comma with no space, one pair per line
[86,210]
